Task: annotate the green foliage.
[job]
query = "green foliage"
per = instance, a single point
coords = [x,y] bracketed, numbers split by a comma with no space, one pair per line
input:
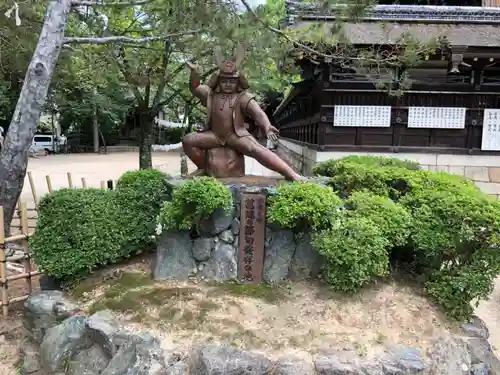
[303,205]
[440,227]
[355,251]
[455,237]
[82,229]
[391,218]
[141,194]
[77,230]
[193,200]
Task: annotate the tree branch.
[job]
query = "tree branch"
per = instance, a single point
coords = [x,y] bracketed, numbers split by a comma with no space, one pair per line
[125,39]
[109,4]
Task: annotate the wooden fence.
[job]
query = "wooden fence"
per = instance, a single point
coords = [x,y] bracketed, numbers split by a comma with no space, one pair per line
[18,265]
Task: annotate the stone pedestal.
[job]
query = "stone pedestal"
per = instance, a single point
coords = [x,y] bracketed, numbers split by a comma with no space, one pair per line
[224,162]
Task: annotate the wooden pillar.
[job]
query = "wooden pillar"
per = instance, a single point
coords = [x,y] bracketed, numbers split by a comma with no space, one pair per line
[491,3]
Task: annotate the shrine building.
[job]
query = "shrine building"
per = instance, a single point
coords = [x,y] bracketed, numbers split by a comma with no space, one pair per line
[448,119]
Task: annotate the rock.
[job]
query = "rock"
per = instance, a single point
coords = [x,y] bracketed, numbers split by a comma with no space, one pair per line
[227,236]
[235,226]
[173,256]
[91,361]
[481,352]
[293,366]
[179,368]
[333,365]
[175,182]
[476,328]
[224,162]
[306,261]
[224,360]
[202,248]
[45,310]
[101,328]
[222,265]
[30,358]
[50,283]
[480,369]
[137,359]
[450,356]
[216,223]
[278,254]
[60,343]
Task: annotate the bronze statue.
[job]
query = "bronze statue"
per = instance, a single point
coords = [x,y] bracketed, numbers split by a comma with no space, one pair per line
[227,103]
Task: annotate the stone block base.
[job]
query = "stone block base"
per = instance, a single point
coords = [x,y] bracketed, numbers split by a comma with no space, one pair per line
[224,162]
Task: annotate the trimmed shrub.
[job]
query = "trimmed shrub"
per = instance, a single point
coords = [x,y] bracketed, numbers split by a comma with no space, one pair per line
[456,242]
[355,251]
[77,231]
[195,199]
[300,205]
[392,219]
[140,194]
[328,168]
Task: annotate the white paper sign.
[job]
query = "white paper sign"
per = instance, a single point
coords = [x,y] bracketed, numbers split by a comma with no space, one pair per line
[436,117]
[491,130]
[362,116]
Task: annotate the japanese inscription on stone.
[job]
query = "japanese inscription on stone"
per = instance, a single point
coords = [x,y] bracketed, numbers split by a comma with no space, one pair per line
[252,232]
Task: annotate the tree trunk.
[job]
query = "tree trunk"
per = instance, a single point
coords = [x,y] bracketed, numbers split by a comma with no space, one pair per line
[14,156]
[95,131]
[146,141]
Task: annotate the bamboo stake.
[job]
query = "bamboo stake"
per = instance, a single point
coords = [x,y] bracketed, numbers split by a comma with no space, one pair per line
[84,183]
[27,260]
[70,180]
[103,184]
[19,214]
[49,183]
[33,189]
[3,268]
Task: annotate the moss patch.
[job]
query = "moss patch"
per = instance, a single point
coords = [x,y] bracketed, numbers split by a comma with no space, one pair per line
[266,292]
[126,281]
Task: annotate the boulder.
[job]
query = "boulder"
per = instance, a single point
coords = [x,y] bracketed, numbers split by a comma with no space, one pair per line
[293,366]
[45,310]
[216,223]
[306,262]
[202,248]
[279,250]
[224,360]
[173,256]
[222,265]
[224,162]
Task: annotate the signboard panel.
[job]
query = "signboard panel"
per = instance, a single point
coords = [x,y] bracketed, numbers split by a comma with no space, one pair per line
[370,116]
[252,233]
[436,117]
[491,130]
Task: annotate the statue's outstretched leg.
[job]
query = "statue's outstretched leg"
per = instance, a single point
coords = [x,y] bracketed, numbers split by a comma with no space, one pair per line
[193,145]
[249,146]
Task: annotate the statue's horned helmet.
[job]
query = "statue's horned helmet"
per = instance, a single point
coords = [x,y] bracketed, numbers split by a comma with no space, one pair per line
[229,68]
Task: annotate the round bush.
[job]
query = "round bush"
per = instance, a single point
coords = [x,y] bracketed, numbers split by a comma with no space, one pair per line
[391,218]
[195,199]
[456,232]
[141,194]
[355,252]
[300,205]
[77,231]
[328,168]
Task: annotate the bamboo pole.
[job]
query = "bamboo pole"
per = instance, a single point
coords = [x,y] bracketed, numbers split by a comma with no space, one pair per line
[3,267]
[49,183]
[84,183]
[70,180]
[33,189]
[27,259]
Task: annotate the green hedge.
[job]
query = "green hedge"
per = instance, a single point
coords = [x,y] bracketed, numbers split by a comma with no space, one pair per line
[79,230]
[440,227]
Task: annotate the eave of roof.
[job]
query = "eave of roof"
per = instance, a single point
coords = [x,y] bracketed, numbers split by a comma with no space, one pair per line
[402,13]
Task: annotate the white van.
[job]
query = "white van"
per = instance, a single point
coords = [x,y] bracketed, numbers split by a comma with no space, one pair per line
[43,142]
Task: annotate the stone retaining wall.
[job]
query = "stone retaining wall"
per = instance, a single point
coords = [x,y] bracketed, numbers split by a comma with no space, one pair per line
[212,253]
[61,340]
